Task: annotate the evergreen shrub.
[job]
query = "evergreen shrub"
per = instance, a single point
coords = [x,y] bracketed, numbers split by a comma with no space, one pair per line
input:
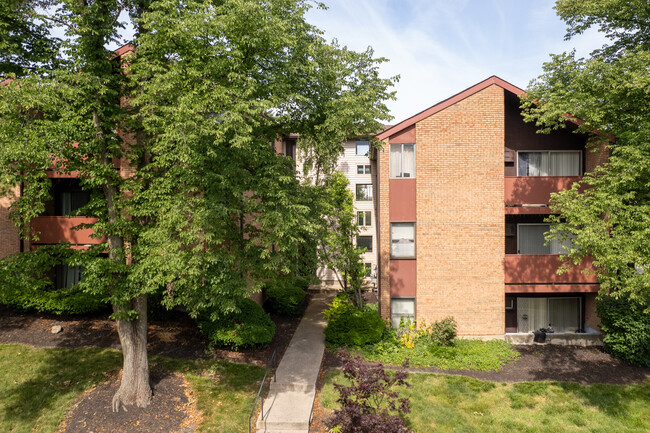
[355,328]
[285,297]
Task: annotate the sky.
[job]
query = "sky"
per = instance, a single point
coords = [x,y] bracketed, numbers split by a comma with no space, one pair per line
[441,47]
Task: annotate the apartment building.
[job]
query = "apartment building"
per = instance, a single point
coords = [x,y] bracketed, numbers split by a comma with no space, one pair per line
[357,163]
[463,190]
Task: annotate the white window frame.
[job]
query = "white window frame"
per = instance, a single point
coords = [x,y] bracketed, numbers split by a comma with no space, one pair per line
[367,219]
[356,147]
[415,243]
[372,241]
[390,161]
[535,224]
[356,191]
[549,158]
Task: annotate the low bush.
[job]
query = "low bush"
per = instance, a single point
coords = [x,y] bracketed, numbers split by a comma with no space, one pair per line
[285,297]
[355,328]
[441,332]
[626,327]
[250,327]
[62,301]
[339,306]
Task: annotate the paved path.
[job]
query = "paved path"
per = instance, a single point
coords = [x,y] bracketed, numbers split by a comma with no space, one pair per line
[287,408]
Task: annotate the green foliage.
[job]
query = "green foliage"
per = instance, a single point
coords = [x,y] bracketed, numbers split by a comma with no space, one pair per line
[339,250]
[285,296]
[27,284]
[249,327]
[355,328]
[441,332]
[461,354]
[626,324]
[607,214]
[337,308]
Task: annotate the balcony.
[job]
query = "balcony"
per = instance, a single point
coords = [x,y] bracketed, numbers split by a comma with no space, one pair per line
[56,229]
[524,194]
[525,273]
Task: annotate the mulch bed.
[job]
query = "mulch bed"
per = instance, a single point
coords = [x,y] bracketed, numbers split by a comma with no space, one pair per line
[175,336]
[172,409]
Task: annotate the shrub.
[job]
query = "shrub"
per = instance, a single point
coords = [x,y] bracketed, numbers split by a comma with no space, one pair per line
[250,327]
[626,327]
[285,297]
[442,332]
[355,328]
[62,301]
[339,306]
[369,404]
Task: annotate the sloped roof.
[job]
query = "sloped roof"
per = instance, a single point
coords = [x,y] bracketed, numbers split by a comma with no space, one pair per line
[448,102]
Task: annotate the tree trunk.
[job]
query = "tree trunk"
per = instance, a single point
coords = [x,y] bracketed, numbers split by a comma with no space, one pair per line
[134,386]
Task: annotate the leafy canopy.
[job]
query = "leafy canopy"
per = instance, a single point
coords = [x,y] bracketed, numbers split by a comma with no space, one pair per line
[610,219]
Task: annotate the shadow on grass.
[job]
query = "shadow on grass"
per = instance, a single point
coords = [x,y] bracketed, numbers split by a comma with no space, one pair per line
[41,383]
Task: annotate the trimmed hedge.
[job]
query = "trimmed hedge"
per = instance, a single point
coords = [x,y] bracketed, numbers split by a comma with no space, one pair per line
[355,328]
[285,297]
[626,327]
[251,327]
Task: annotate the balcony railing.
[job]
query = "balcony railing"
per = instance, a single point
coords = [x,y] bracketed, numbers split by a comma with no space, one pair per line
[55,229]
[531,194]
[542,269]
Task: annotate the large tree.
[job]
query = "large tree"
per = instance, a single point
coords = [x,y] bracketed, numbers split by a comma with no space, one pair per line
[607,214]
[202,208]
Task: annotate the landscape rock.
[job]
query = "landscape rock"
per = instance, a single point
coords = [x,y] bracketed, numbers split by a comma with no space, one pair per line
[56,329]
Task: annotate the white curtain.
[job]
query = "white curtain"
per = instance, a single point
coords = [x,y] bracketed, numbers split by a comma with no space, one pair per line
[408,161]
[565,164]
[533,164]
[395,160]
[66,203]
[531,239]
[564,314]
[401,308]
[532,314]
[402,237]
[561,247]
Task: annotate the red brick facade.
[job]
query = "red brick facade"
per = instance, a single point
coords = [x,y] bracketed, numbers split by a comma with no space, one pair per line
[462,212]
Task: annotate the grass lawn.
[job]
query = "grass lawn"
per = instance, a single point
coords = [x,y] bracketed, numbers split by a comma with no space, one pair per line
[38,386]
[462,355]
[442,403]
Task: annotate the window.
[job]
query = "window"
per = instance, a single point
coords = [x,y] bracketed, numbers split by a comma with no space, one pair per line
[401,309]
[549,163]
[402,160]
[365,242]
[68,196]
[562,314]
[364,192]
[67,276]
[363,147]
[531,240]
[402,240]
[364,218]
[290,148]
[361,169]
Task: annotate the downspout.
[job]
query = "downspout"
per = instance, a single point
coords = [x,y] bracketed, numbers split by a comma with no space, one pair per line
[20,238]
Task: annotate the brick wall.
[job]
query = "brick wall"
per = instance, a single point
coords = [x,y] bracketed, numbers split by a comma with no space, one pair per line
[383,210]
[9,238]
[460,214]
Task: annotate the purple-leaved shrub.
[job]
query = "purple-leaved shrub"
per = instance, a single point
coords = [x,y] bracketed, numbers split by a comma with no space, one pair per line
[369,404]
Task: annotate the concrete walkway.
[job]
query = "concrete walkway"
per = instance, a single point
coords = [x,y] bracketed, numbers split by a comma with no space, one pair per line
[288,407]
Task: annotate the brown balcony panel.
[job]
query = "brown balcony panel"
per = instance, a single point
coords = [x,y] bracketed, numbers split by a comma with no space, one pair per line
[55,229]
[522,192]
[538,273]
